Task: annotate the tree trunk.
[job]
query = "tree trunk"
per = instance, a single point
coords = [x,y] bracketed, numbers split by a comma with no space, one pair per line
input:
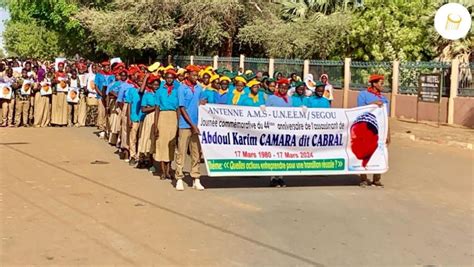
[226,50]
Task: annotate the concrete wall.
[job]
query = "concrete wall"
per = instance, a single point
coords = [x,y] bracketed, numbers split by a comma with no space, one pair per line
[464,111]
[337,102]
[406,107]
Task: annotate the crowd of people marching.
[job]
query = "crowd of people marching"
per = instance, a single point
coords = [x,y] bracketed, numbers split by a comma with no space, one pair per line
[148,112]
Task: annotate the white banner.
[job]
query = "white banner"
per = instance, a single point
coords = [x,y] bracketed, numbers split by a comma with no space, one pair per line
[249,141]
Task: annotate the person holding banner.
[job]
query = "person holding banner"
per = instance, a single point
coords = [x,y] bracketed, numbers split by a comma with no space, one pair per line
[59,99]
[166,123]
[373,96]
[280,97]
[91,100]
[23,101]
[43,103]
[222,94]
[8,105]
[318,100]
[73,104]
[239,91]
[255,98]
[189,97]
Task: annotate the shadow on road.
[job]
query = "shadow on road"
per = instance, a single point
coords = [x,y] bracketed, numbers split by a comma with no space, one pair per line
[291,181]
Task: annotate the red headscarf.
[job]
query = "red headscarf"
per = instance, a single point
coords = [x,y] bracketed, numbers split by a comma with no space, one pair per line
[278,94]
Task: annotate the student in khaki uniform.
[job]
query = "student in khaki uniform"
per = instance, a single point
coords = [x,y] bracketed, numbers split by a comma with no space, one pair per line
[8,105]
[189,97]
[23,99]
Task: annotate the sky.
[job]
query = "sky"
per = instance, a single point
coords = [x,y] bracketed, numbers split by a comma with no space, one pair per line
[3,16]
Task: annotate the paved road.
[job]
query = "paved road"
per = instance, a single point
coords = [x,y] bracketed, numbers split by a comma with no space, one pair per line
[57,208]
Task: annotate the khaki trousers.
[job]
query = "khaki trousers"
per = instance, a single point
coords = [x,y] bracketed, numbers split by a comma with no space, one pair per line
[8,106]
[72,113]
[134,140]
[22,108]
[101,120]
[185,140]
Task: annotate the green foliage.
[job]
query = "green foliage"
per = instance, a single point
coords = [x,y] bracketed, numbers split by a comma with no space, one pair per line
[388,30]
[30,40]
[317,37]
[293,10]
[381,30]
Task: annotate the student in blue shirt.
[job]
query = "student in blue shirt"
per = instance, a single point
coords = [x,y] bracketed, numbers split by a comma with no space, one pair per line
[135,117]
[222,94]
[373,95]
[299,96]
[103,78]
[166,119]
[146,142]
[189,97]
[211,90]
[123,107]
[112,109]
[280,97]
[255,98]
[317,100]
[239,91]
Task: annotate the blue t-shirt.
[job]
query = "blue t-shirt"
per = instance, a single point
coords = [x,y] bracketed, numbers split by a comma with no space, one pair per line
[230,96]
[167,102]
[298,101]
[113,87]
[366,97]
[134,99]
[317,102]
[102,80]
[123,89]
[209,95]
[189,99]
[246,100]
[148,99]
[275,101]
[221,99]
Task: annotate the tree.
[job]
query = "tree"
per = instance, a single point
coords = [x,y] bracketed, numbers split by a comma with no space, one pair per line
[293,10]
[30,40]
[389,30]
[54,17]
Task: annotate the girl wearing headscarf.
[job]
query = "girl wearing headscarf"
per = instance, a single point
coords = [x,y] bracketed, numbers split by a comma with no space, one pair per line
[59,99]
[318,100]
[211,91]
[268,87]
[255,98]
[373,95]
[166,123]
[73,107]
[239,91]
[327,87]
[146,142]
[91,100]
[82,112]
[299,97]
[43,102]
[221,96]
[280,97]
